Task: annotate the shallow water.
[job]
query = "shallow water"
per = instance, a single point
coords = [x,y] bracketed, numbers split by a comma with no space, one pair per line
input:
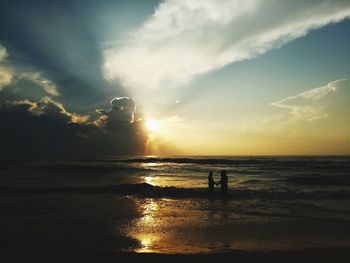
[203,226]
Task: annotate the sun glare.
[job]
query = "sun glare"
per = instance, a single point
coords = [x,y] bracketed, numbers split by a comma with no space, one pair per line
[153,125]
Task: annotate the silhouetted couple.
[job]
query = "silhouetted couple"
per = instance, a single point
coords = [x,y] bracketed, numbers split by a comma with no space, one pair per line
[223,183]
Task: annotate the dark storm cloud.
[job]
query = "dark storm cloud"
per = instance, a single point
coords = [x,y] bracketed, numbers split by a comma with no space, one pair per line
[45,129]
[122,110]
[53,48]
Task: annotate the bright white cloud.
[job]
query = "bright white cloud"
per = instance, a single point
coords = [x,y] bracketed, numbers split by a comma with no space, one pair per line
[310,104]
[186,38]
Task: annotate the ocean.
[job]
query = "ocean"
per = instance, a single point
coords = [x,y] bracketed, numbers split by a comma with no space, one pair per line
[161,204]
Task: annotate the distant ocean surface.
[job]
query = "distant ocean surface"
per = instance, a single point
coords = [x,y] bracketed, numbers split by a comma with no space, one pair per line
[268,177]
[298,191]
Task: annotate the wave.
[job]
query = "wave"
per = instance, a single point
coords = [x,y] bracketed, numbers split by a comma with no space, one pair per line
[319,180]
[340,164]
[238,160]
[89,167]
[147,190]
[315,180]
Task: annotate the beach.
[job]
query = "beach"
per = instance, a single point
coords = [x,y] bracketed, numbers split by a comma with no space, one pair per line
[174,129]
[46,210]
[80,229]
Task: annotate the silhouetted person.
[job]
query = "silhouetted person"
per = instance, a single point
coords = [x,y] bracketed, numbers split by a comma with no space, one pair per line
[223,182]
[211,183]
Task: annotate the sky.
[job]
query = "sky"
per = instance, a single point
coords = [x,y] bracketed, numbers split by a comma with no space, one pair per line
[174,77]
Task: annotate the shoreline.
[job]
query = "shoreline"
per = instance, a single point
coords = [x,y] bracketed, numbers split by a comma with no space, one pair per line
[105,226]
[19,254]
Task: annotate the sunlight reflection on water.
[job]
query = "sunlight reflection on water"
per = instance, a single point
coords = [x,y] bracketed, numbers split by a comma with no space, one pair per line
[160,229]
[201,226]
[150,164]
[149,180]
[142,225]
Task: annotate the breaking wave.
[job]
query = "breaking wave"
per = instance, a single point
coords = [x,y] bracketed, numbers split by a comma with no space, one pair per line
[147,190]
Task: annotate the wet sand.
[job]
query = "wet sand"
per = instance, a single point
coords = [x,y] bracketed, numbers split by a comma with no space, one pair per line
[65,221]
[19,254]
[104,228]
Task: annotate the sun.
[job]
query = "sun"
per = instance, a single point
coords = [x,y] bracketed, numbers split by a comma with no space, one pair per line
[153,125]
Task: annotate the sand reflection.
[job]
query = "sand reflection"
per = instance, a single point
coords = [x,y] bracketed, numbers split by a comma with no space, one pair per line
[166,226]
[142,228]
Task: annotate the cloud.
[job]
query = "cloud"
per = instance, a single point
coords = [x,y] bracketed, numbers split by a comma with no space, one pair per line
[52,108]
[65,47]
[5,74]
[310,104]
[6,77]
[3,53]
[186,38]
[9,76]
[122,110]
[42,82]
[45,129]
